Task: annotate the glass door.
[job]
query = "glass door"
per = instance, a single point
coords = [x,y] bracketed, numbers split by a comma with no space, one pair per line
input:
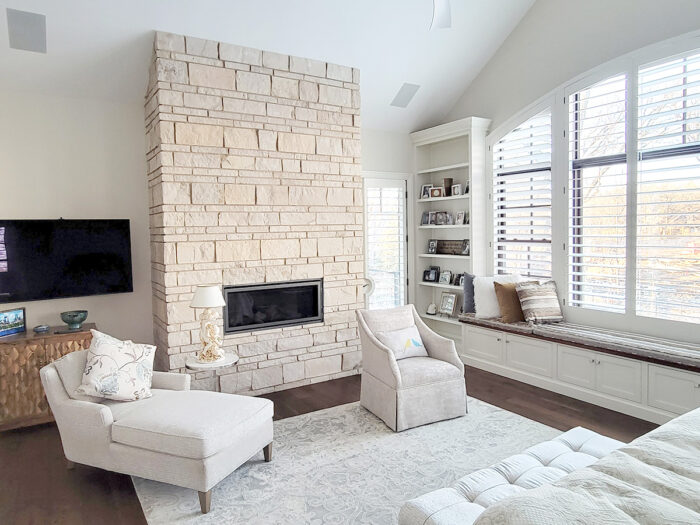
[385,208]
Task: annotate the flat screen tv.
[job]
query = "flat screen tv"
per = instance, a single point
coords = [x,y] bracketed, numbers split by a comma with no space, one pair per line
[48,259]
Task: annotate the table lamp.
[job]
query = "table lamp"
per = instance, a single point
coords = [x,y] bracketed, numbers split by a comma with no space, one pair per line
[208,296]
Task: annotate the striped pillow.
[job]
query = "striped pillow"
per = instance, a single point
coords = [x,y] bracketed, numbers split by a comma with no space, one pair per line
[539,302]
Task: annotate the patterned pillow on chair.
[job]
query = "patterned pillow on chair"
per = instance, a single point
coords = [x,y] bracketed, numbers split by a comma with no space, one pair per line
[404,343]
[119,370]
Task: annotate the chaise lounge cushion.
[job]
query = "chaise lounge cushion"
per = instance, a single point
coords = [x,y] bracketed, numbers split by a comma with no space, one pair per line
[192,424]
[416,371]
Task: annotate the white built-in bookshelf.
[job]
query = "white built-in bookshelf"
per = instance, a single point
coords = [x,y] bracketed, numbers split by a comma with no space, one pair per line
[455,150]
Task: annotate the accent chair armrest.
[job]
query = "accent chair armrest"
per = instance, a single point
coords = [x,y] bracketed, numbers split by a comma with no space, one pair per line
[171,381]
[438,347]
[73,413]
[377,358]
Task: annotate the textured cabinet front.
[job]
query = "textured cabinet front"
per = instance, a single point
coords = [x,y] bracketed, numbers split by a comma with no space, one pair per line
[22,399]
[21,393]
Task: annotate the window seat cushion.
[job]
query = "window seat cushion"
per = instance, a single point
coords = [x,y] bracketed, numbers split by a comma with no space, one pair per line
[666,351]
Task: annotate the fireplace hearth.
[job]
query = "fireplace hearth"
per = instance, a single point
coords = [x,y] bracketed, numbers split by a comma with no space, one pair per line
[262,306]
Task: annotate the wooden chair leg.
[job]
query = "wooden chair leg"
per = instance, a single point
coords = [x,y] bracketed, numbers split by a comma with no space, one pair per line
[69,464]
[267,452]
[205,501]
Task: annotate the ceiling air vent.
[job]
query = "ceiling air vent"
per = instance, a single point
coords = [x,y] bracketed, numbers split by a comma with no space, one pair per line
[405,95]
[27,31]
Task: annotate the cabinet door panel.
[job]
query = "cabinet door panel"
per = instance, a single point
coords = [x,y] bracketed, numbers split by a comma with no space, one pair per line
[619,377]
[674,390]
[576,366]
[21,393]
[530,355]
[484,344]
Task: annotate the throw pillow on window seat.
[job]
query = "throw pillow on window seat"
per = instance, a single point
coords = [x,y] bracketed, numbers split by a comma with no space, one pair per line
[117,370]
[508,302]
[485,298]
[539,302]
[404,343]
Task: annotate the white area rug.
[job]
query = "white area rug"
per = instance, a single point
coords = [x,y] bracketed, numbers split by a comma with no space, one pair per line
[343,465]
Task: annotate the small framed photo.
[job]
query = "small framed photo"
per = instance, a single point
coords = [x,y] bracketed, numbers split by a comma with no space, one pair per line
[456,189]
[13,322]
[445,277]
[425,191]
[466,188]
[456,278]
[431,217]
[425,218]
[436,192]
[461,216]
[432,274]
[443,217]
[432,246]
[448,301]
[466,217]
[462,278]
[465,247]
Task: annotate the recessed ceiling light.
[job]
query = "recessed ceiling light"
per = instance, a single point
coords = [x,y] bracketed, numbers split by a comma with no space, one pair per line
[26,31]
[405,95]
[442,15]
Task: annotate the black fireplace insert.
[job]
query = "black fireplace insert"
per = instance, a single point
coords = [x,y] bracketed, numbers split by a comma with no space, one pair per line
[260,306]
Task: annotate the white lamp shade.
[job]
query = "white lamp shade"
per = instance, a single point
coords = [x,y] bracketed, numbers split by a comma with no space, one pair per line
[207,296]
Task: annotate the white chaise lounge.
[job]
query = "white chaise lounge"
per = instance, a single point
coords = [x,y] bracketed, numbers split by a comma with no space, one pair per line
[189,438]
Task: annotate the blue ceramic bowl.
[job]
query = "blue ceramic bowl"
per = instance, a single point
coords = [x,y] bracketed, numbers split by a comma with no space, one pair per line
[74,319]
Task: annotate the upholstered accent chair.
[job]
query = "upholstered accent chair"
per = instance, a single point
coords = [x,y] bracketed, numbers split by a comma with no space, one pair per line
[414,391]
[184,437]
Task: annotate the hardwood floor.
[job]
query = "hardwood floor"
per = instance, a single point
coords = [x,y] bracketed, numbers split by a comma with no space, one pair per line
[36,488]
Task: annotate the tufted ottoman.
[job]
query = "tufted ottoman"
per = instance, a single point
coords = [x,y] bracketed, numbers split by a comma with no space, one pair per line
[541,464]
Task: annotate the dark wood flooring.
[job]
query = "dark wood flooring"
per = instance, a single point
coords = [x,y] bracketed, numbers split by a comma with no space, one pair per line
[36,488]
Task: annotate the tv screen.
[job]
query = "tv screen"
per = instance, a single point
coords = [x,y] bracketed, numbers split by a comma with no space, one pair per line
[48,259]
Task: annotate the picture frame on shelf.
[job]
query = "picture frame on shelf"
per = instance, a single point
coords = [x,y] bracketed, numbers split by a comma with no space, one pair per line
[432,246]
[431,217]
[445,277]
[462,279]
[432,274]
[466,188]
[436,192]
[456,190]
[425,218]
[425,191]
[443,218]
[465,247]
[456,279]
[448,301]
[13,321]
[461,216]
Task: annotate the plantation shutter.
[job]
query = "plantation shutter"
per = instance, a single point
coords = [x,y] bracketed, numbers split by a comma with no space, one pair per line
[597,196]
[522,197]
[668,190]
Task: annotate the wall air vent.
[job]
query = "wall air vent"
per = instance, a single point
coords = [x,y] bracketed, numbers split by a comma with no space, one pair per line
[405,95]
[26,31]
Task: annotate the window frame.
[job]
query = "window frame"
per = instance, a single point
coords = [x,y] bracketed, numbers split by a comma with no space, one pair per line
[558,99]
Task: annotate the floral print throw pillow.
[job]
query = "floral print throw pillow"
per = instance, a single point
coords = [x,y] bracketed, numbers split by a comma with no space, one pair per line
[119,370]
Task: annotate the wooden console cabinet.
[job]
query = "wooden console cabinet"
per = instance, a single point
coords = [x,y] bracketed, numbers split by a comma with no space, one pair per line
[22,399]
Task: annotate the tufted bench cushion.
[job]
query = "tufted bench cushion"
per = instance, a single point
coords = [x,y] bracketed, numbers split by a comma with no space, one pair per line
[541,464]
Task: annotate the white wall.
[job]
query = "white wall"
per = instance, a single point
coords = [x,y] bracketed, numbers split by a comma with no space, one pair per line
[560,39]
[80,159]
[386,151]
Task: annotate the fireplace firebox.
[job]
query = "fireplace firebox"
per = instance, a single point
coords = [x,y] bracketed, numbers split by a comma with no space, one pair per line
[262,306]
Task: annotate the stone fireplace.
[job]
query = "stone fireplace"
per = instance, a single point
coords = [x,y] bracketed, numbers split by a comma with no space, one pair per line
[254,177]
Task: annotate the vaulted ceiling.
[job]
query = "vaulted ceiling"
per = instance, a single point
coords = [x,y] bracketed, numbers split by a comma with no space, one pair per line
[101,48]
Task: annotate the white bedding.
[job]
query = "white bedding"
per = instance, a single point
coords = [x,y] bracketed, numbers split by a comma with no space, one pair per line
[653,480]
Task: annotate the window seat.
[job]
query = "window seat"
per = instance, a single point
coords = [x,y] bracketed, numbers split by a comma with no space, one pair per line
[671,353]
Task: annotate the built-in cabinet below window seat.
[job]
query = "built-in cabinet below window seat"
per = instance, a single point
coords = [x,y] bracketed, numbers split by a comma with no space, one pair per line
[646,377]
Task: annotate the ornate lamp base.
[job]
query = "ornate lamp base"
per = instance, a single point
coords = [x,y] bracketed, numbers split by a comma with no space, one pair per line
[211,351]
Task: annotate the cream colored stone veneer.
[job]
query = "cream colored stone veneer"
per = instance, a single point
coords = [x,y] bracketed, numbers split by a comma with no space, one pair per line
[254,176]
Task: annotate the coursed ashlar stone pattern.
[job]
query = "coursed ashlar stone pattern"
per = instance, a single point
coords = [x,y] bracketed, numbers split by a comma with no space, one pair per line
[254,176]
